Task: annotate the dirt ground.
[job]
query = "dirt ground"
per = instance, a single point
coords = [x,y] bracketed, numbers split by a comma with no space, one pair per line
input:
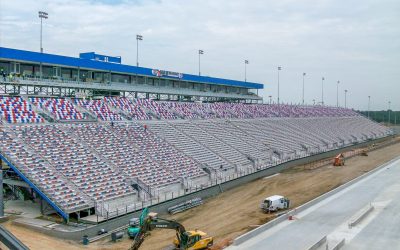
[236,211]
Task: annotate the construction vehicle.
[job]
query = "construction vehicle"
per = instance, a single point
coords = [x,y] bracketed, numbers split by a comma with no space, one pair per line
[133,228]
[364,152]
[338,160]
[185,240]
[274,203]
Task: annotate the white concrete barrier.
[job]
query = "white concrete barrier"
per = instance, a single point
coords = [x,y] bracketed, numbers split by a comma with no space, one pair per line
[318,244]
[339,245]
[361,215]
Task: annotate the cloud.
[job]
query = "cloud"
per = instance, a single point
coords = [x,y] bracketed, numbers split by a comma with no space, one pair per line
[354,41]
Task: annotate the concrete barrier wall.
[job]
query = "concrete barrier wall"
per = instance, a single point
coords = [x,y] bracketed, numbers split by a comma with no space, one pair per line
[361,216]
[318,244]
[303,207]
[161,208]
[339,245]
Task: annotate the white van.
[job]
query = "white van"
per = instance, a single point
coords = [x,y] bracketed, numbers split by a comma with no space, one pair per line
[274,203]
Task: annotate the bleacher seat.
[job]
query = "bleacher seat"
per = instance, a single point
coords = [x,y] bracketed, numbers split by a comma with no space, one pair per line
[59,108]
[17,110]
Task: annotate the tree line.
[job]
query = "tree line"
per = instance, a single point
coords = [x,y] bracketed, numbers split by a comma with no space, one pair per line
[384,116]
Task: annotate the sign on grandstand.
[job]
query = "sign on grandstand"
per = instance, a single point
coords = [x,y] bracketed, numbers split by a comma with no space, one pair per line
[159,73]
[81,94]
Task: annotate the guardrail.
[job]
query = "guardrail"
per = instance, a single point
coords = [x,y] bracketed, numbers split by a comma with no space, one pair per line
[10,240]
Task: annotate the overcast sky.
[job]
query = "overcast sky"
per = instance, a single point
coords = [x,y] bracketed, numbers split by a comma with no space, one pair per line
[354,41]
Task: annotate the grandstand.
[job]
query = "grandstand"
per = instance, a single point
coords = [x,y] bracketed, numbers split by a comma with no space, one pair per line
[109,147]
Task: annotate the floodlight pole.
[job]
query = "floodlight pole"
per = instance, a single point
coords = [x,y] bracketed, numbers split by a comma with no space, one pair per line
[279,69]
[345,98]
[42,15]
[322,97]
[245,69]
[337,94]
[138,38]
[369,101]
[304,74]
[201,52]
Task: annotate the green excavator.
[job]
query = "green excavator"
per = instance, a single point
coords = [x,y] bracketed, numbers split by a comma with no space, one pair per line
[185,240]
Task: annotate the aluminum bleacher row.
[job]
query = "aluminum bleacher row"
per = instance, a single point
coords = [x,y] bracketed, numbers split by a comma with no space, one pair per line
[42,173]
[79,164]
[100,109]
[60,108]
[18,110]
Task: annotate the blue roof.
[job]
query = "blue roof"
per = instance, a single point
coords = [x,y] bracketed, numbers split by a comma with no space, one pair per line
[30,56]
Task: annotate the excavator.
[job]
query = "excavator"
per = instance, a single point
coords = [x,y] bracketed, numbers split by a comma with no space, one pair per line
[185,240]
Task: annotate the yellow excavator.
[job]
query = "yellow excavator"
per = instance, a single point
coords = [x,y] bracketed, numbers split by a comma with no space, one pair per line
[185,240]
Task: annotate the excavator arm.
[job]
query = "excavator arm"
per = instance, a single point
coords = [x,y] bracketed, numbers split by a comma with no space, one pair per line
[150,223]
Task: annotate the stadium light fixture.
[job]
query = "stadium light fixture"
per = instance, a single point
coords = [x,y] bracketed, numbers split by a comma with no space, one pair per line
[322,97]
[304,74]
[345,98]
[138,38]
[279,69]
[201,52]
[42,15]
[245,69]
[337,94]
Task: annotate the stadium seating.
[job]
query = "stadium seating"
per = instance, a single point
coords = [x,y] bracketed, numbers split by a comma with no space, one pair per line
[157,109]
[80,165]
[225,151]
[99,109]
[187,110]
[17,110]
[160,151]
[127,106]
[59,108]
[237,139]
[159,145]
[41,173]
[133,161]
[188,145]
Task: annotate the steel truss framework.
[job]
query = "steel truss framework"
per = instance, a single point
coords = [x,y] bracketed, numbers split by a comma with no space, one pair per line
[16,88]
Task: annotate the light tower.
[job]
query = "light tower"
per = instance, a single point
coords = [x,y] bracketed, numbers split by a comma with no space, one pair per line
[245,69]
[138,38]
[337,94]
[201,52]
[322,97]
[304,74]
[279,69]
[42,15]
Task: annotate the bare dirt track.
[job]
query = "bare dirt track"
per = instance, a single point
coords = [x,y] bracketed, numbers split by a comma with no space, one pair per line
[235,211]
